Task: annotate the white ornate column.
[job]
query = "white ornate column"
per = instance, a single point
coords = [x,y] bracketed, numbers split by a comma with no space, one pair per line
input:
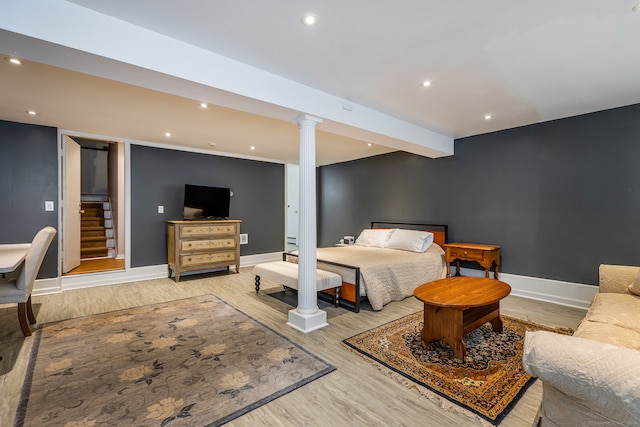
[307,316]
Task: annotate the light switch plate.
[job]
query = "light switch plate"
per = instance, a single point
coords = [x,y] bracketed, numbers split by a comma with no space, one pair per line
[48,206]
[160,209]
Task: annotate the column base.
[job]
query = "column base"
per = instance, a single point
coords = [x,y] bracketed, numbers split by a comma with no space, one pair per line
[307,322]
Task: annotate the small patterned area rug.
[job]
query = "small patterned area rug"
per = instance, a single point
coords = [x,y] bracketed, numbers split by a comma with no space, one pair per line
[485,386]
[197,361]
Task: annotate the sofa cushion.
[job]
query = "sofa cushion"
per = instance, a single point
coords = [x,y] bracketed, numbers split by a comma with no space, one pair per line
[615,309]
[609,334]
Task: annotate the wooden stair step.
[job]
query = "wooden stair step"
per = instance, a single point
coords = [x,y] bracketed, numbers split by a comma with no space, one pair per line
[94,252]
[92,209]
[92,240]
[92,228]
[98,222]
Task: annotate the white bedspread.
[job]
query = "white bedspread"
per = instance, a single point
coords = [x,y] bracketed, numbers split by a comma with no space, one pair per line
[385,274]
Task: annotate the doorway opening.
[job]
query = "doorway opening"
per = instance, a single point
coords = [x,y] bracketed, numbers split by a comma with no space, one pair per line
[93,206]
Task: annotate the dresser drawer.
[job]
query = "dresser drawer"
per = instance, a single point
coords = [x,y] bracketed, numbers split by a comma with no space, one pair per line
[198,245]
[199,259]
[206,230]
[466,254]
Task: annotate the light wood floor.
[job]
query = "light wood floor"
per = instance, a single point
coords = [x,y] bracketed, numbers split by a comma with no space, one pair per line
[356,394]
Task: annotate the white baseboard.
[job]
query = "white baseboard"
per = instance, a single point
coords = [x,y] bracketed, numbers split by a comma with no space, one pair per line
[555,291]
[251,260]
[65,283]
[82,281]
[46,286]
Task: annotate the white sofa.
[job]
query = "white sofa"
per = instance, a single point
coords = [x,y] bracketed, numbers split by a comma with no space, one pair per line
[593,377]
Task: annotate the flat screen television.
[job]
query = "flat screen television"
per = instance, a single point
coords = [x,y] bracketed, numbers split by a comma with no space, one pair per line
[201,202]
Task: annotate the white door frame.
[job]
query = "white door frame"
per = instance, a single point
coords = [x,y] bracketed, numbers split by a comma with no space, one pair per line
[127,193]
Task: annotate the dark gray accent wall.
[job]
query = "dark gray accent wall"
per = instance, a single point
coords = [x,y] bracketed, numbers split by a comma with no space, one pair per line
[158,177]
[560,197]
[28,177]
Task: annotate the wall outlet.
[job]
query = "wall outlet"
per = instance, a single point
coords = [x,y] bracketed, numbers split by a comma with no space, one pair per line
[160,209]
[48,206]
[244,239]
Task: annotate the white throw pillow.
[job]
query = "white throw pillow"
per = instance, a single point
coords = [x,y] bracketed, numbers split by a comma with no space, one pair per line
[634,287]
[374,237]
[410,240]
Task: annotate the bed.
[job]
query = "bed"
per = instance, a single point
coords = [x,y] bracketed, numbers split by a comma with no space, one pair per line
[371,270]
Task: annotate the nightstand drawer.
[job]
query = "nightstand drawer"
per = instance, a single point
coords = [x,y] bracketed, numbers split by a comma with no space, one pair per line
[467,254]
[198,245]
[198,259]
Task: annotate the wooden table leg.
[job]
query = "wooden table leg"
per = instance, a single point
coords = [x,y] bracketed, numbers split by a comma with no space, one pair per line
[496,323]
[443,323]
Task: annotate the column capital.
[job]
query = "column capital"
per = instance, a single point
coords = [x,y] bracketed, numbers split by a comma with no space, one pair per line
[306,118]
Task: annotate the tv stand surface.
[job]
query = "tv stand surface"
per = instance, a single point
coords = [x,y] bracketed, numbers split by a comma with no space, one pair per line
[202,245]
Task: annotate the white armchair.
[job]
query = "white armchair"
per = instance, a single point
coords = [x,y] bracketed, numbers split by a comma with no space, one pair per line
[18,289]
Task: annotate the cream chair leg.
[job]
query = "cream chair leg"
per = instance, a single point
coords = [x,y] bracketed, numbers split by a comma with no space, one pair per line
[22,317]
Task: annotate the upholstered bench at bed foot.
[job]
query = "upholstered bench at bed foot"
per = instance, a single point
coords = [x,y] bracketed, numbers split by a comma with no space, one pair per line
[286,273]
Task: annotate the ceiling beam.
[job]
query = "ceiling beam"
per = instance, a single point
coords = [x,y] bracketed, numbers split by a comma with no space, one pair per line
[69,36]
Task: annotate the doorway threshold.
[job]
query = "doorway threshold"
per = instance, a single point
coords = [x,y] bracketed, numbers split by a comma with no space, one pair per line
[97,265]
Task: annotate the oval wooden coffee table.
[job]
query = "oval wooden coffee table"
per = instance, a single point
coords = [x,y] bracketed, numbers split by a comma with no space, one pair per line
[455,306]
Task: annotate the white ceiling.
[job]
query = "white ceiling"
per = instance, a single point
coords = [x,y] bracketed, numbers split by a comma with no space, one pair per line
[521,62]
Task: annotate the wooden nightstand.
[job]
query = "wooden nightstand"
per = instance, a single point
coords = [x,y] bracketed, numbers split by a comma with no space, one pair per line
[485,255]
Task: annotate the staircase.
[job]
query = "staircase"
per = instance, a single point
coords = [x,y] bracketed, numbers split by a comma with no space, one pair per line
[96,231]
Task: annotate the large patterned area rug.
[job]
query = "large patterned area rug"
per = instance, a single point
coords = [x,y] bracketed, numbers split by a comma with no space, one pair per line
[484,386]
[197,361]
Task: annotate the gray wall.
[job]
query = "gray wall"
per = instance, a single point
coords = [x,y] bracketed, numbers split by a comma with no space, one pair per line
[560,197]
[94,172]
[158,177]
[28,177]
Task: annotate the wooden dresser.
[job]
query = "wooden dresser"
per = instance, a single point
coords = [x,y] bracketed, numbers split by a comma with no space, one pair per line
[203,245]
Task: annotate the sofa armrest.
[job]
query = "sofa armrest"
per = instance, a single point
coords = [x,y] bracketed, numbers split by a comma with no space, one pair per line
[617,278]
[603,377]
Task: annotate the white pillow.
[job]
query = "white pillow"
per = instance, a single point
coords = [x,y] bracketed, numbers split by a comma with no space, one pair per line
[374,237]
[410,240]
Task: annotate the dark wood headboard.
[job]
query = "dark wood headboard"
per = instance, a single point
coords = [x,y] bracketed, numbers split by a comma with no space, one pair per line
[439,230]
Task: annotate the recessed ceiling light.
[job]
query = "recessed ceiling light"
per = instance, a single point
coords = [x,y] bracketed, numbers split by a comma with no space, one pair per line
[253,147]
[426,83]
[212,144]
[14,61]
[369,145]
[309,19]
[203,105]
[167,134]
[487,117]
[32,113]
